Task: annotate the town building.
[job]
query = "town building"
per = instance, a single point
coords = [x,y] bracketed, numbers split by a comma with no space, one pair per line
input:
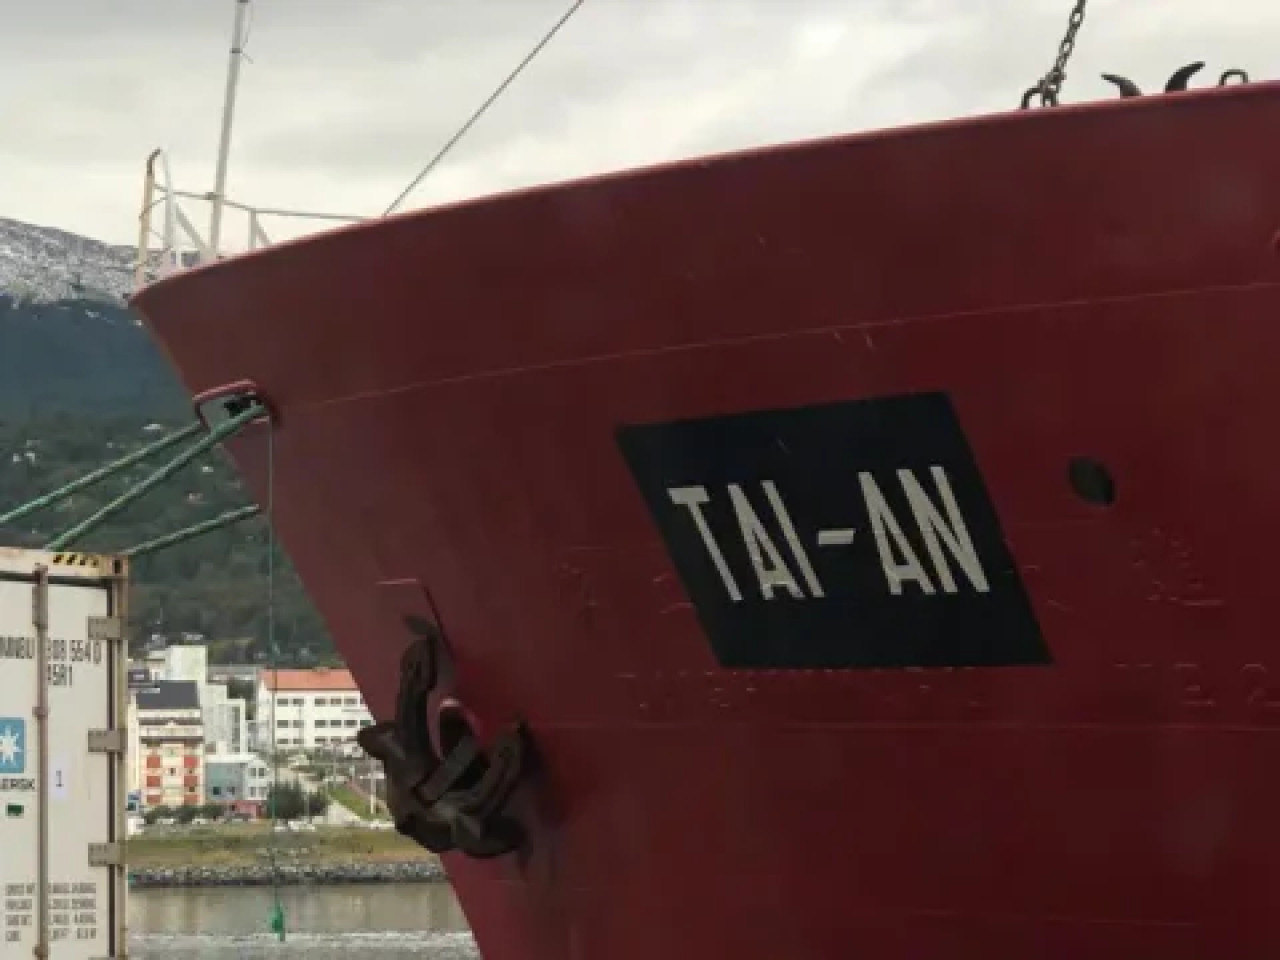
[229,673]
[238,782]
[226,728]
[308,710]
[166,755]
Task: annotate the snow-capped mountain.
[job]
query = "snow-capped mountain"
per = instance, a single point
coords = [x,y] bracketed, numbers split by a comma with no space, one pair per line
[41,265]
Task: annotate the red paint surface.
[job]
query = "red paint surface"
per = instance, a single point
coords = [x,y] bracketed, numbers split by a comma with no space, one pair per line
[1094,281]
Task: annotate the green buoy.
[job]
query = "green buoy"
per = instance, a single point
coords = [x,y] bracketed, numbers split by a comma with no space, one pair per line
[277,920]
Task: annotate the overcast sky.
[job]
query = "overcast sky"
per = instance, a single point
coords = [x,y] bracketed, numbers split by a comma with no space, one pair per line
[343,102]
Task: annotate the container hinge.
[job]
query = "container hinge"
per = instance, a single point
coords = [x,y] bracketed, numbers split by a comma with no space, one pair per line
[105,628]
[106,741]
[106,855]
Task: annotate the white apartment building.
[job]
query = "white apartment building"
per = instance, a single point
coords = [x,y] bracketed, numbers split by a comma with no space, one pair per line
[310,709]
[226,729]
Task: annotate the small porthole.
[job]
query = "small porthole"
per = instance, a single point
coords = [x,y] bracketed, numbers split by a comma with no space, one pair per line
[1091,481]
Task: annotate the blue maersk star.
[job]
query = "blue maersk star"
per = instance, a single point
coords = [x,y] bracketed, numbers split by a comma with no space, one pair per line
[10,750]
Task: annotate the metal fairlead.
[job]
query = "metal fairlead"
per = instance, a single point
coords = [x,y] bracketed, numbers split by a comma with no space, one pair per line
[453,802]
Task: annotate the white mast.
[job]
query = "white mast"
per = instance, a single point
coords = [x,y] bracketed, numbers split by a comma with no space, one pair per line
[228,114]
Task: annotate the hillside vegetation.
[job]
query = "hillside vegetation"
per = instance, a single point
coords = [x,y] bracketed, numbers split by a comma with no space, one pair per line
[81,384]
[81,357]
[215,585]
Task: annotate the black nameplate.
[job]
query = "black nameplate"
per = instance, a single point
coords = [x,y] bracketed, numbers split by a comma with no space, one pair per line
[850,535]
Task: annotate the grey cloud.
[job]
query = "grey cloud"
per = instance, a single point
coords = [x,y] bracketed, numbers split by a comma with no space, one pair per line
[344,101]
[629,61]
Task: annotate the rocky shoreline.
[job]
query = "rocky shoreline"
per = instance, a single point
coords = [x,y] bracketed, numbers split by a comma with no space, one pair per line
[289,874]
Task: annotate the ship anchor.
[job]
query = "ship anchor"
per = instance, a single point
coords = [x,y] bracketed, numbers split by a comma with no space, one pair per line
[456,801]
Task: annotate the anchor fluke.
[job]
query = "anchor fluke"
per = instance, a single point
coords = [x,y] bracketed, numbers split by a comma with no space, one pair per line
[1181,77]
[1126,86]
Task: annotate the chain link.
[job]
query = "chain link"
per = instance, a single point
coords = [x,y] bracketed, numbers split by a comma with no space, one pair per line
[1050,85]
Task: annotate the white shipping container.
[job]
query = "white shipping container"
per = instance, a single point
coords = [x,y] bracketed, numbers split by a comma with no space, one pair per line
[71,833]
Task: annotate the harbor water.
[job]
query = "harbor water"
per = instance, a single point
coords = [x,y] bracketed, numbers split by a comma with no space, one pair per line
[386,921]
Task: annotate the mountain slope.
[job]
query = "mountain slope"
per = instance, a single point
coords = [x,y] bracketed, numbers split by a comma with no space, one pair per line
[81,356]
[81,384]
[67,340]
[43,265]
[215,585]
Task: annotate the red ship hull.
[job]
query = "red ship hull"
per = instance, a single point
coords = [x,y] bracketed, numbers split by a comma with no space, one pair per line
[463,398]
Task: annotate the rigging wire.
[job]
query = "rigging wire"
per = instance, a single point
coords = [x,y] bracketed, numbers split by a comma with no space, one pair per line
[248,32]
[277,909]
[484,107]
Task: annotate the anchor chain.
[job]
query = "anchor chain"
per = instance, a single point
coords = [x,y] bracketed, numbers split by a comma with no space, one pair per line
[1050,85]
[456,801]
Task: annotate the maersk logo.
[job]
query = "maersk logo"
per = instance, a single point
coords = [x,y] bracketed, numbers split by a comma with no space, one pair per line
[13,745]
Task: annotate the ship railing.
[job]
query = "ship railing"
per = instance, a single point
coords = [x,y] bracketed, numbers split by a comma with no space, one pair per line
[181,245]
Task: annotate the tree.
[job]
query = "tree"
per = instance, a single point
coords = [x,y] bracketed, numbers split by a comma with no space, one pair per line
[286,801]
[318,803]
[293,803]
[155,814]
